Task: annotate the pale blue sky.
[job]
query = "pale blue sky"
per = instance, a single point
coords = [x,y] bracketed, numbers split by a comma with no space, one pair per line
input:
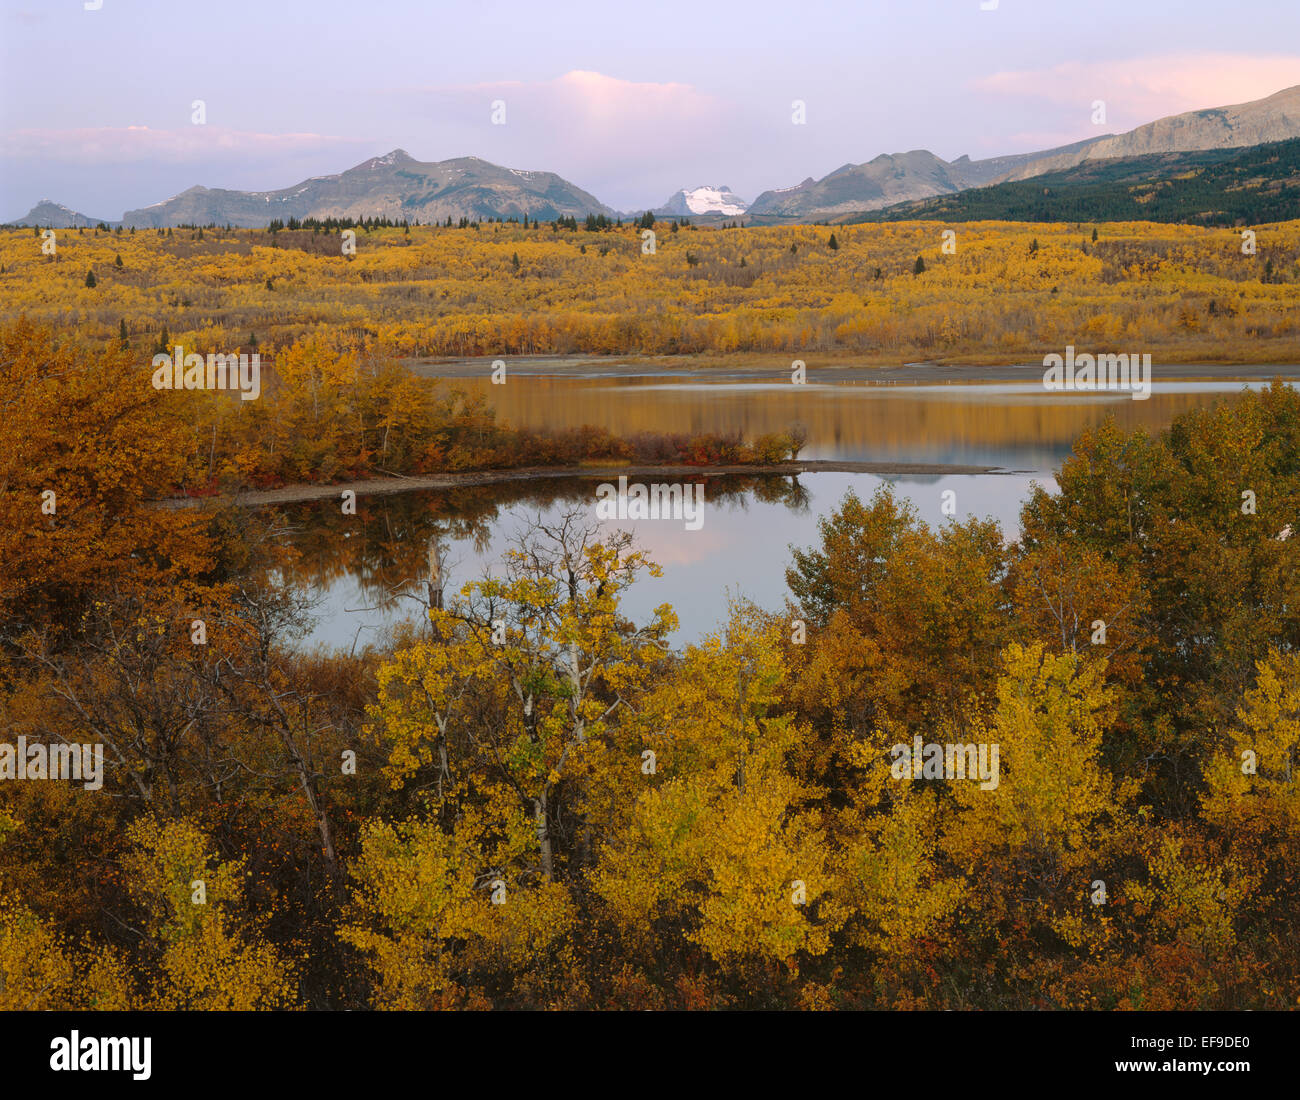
[629,101]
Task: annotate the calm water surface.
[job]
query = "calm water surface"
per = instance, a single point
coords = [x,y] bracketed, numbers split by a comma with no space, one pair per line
[360,566]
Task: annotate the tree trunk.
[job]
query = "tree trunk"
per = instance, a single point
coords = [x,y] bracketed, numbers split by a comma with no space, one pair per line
[435,573]
[544,837]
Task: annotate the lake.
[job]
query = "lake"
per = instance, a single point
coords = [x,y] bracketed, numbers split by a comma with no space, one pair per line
[363,567]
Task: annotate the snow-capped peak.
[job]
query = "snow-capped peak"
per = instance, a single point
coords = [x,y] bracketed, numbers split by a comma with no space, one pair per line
[706,200]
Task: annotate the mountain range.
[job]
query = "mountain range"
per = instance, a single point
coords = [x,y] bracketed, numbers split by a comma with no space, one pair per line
[1217,187]
[395,186]
[905,177]
[398,187]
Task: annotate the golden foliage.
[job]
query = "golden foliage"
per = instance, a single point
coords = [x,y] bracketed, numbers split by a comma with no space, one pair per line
[212,955]
[1186,293]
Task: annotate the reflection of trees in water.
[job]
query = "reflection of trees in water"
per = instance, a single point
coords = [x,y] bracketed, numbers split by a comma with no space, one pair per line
[789,491]
[966,423]
[386,546]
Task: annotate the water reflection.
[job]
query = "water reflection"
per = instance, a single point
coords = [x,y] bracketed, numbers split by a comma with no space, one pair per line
[1017,424]
[370,569]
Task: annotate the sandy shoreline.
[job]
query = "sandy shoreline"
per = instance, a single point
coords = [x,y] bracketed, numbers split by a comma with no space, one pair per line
[383,486]
[772,368]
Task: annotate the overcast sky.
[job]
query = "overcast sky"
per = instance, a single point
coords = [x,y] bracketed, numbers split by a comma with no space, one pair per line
[629,101]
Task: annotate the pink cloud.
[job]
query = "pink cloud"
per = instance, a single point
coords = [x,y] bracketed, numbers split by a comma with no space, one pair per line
[1143,89]
[595,96]
[606,100]
[594,118]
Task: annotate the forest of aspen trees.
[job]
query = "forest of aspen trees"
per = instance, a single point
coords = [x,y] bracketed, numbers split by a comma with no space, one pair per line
[577,814]
[1001,291]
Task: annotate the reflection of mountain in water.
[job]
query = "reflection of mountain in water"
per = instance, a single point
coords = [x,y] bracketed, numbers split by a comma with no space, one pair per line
[916,479]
